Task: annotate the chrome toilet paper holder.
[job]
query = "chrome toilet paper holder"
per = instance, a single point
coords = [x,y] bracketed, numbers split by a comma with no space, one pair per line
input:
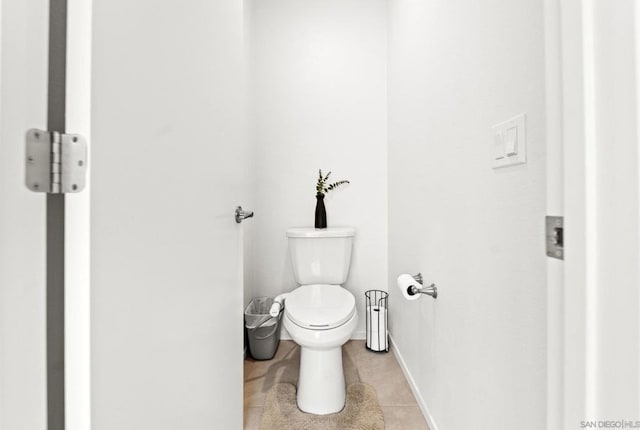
[430,290]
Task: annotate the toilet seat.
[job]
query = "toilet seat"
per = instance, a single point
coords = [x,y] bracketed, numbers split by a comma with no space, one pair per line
[320,306]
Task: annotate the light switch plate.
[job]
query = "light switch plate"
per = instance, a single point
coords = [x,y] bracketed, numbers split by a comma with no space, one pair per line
[513,135]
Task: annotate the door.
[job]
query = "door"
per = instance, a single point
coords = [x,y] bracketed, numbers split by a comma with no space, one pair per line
[23,98]
[168,160]
[594,331]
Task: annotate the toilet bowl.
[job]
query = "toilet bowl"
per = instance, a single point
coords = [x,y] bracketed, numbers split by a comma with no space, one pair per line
[320,315]
[320,318]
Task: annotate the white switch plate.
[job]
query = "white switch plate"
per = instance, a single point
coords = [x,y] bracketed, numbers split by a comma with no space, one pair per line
[512,134]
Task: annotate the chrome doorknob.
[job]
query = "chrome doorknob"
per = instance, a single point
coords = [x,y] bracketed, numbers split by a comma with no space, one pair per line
[242,214]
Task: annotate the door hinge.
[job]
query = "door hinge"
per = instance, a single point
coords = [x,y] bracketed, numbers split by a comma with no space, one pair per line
[56,162]
[555,237]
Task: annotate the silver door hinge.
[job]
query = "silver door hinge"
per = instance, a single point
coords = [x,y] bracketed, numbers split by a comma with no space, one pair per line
[56,162]
[555,237]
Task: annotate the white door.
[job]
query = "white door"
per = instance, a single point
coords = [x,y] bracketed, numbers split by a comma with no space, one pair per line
[593,295]
[168,162]
[23,98]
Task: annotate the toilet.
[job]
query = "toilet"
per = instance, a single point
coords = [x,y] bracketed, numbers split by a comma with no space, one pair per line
[320,315]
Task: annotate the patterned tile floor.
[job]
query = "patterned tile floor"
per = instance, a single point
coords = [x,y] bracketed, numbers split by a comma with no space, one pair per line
[381,371]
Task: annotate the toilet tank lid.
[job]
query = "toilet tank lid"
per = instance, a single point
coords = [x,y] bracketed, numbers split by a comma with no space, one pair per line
[321,232]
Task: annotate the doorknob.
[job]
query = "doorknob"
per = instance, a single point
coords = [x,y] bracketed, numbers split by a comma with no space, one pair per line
[242,214]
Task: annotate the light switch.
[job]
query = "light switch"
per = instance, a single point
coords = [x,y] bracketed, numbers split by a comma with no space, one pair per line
[498,146]
[511,142]
[509,146]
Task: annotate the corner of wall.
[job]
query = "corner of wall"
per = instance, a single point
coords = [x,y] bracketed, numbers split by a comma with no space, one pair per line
[413,385]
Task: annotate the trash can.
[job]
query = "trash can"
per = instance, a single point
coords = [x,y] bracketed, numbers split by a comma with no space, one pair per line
[263,330]
[376,320]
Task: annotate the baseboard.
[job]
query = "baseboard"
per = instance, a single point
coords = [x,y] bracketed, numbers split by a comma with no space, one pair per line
[359,335]
[412,384]
[284,334]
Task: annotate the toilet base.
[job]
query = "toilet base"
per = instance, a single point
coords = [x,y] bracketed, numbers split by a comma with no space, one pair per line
[321,387]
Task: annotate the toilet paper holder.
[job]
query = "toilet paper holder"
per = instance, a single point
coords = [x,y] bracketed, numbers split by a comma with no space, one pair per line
[430,290]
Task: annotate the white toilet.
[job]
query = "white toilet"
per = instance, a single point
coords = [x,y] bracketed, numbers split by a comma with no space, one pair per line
[320,315]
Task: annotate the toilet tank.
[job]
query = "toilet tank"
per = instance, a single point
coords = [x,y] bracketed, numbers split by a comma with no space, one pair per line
[321,256]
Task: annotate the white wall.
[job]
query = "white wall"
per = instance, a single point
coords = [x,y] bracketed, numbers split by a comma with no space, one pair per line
[555,206]
[318,92]
[477,354]
[23,104]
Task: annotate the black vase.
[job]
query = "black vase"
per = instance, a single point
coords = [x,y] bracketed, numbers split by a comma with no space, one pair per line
[321,213]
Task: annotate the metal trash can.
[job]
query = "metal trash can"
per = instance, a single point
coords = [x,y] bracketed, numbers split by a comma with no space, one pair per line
[263,330]
[376,320]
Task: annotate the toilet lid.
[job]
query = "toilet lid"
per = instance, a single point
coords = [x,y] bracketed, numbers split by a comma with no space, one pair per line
[320,307]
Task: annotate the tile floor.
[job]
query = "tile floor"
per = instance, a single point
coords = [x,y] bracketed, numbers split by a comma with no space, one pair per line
[381,371]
